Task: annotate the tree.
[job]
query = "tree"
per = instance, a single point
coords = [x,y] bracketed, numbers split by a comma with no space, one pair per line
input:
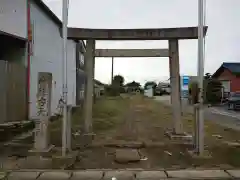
[150,83]
[119,80]
[213,90]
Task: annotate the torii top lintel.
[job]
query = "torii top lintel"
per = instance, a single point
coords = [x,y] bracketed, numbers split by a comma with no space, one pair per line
[135,34]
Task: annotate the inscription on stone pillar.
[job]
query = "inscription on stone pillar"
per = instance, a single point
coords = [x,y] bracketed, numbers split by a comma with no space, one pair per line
[43,110]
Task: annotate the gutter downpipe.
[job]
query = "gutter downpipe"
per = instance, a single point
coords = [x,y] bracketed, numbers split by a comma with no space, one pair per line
[29,41]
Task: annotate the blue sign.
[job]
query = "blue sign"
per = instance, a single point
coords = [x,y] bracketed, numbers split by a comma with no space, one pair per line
[185,80]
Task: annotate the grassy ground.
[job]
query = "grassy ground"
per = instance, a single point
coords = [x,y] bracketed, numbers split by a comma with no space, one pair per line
[139,119]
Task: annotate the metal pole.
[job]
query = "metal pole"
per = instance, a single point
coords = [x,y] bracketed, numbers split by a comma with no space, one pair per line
[112,70]
[64,72]
[200,149]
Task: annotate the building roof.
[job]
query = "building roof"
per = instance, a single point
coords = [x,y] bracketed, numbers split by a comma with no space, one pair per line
[231,66]
[46,9]
[52,15]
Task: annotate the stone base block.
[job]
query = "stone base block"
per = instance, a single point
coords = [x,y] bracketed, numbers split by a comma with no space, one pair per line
[206,154]
[45,152]
[182,137]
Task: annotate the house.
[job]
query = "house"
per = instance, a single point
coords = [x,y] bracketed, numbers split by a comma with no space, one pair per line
[99,88]
[229,75]
[13,54]
[34,44]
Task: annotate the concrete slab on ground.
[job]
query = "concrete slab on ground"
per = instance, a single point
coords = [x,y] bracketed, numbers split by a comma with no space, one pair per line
[118,175]
[234,173]
[23,175]
[87,175]
[127,155]
[132,174]
[151,175]
[54,176]
[198,174]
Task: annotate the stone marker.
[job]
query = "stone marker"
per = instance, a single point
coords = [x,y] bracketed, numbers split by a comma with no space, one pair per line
[119,175]
[127,155]
[198,174]
[148,175]
[54,176]
[234,173]
[87,175]
[23,175]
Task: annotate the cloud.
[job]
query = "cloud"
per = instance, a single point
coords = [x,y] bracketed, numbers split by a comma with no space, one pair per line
[222,39]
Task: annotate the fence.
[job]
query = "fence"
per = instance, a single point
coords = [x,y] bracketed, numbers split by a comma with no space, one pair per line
[13,92]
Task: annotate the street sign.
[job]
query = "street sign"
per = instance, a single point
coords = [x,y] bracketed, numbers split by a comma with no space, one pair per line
[185,80]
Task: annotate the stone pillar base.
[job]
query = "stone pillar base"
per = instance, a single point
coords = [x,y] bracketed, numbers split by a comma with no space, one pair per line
[41,152]
[194,154]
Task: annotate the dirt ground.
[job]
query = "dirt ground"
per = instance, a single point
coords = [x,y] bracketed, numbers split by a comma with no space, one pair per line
[141,123]
[137,119]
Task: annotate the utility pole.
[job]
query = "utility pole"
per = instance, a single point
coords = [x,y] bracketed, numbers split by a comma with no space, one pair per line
[112,70]
[64,73]
[200,115]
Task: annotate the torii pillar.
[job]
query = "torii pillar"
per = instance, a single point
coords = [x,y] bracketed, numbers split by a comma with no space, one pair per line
[89,86]
[175,86]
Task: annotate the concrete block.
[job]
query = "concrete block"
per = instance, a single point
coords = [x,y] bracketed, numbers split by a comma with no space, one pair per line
[126,175]
[127,155]
[87,175]
[234,173]
[23,175]
[57,175]
[198,174]
[148,175]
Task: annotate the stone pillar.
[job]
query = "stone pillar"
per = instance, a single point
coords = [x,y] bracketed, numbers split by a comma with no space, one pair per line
[89,90]
[175,85]
[44,112]
[171,81]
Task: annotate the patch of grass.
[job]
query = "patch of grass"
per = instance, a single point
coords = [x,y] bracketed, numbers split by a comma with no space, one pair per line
[107,114]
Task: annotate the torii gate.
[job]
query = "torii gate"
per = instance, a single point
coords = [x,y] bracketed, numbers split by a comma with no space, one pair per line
[170,34]
[130,53]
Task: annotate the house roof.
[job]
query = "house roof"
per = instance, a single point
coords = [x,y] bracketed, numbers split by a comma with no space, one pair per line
[98,82]
[232,67]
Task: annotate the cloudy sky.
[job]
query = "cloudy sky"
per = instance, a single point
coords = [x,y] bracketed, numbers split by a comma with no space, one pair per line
[222,41]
